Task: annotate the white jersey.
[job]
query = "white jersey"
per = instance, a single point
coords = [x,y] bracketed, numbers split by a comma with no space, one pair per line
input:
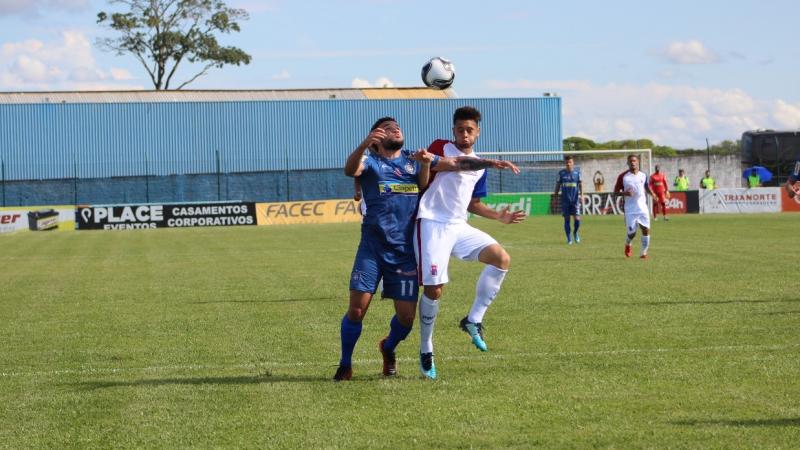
[449,193]
[636,184]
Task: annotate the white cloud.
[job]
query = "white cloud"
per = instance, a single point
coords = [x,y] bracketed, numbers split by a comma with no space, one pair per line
[677,115]
[787,115]
[66,64]
[35,7]
[360,83]
[689,52]
[120,74]
[282,75]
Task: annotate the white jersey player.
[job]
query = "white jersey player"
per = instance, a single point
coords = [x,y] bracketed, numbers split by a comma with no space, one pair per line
[633,185]
[442,230]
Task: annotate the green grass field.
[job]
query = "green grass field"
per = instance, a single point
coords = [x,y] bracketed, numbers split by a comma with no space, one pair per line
[228,337]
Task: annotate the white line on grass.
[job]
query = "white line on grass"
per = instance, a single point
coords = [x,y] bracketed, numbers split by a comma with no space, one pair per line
[265,364]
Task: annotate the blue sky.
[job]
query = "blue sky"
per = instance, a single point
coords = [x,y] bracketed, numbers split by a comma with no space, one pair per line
[677,72]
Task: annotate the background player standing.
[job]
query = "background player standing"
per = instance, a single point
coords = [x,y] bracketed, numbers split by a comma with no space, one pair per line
[571,187]
[632,184]
[390,180]
[658,185]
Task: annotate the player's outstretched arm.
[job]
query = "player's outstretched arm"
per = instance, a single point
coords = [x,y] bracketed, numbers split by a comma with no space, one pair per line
[503,215]
[450,164]
[354,164]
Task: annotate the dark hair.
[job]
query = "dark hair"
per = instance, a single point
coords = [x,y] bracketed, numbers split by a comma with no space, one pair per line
[568,158]
[381,120]
[632,156]
[467,113]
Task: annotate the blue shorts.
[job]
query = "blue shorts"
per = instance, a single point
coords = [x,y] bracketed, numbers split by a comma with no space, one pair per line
[397,269]
[570,208]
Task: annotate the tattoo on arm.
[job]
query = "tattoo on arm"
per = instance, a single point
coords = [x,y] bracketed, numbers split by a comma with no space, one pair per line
[474,163]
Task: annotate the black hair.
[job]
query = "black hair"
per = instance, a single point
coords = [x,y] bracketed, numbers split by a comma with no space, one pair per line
[467,113]
[381,120]
[568,158]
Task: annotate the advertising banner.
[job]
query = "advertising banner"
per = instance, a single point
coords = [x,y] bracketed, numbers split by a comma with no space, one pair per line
[315,211]
[601,203]
[130,217]
[740,200]
[532,204]
[39,218]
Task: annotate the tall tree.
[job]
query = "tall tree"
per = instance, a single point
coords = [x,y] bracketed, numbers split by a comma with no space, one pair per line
[163,33]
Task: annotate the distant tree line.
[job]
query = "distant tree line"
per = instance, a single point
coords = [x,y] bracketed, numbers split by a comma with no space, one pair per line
[573,143]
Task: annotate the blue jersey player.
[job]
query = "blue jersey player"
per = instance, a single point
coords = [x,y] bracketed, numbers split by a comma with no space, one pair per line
[571,189]
[391,179]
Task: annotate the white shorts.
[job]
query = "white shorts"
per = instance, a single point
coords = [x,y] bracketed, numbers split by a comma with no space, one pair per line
[631,220]
[436,241]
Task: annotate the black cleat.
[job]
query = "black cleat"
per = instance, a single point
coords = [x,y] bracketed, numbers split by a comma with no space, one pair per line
[389,360]
[343,373]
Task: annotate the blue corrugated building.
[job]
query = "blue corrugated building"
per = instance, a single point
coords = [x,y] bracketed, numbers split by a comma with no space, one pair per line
[63,148]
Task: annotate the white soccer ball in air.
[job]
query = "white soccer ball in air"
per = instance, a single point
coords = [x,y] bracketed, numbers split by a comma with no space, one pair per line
[438,73]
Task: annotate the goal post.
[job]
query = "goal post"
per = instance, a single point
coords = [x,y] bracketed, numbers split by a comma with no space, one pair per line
[538,170]
[532,189]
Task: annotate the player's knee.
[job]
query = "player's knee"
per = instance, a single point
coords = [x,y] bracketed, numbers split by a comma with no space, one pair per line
[503,260]
[356,314]
[433,292]
[406,318]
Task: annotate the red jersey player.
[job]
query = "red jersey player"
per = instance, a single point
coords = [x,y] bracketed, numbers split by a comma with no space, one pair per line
[658,184]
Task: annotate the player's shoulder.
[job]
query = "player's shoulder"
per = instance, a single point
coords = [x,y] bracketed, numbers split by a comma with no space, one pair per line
[437,147]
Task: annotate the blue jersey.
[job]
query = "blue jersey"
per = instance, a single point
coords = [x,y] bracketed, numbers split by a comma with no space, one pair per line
[391,193]
[795,175]
[569,185]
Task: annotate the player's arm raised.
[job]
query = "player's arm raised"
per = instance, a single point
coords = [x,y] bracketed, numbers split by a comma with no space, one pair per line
[503,215]
[354,164]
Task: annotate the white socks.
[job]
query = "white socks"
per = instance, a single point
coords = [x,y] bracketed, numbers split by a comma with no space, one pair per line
[427,318]
[628,239]
[645,244]
[488,286]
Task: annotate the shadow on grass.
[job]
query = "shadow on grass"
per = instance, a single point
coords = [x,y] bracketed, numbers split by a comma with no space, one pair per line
[231,380]
[280,300]
[787,422]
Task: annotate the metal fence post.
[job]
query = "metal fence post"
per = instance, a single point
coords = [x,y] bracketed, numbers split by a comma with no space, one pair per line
[3,170]
[74,182]
[286,165]
[146,180]
[219,195]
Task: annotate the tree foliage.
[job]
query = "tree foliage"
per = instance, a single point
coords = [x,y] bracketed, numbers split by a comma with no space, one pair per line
[162,34]
[573,143]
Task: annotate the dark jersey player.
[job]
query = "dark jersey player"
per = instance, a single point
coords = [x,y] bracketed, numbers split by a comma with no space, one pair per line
[390,180]
[570,186]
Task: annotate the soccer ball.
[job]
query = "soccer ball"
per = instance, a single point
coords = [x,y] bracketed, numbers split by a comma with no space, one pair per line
[438,73]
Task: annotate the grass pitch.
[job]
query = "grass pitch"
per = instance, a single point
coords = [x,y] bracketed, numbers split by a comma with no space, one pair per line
[228,337]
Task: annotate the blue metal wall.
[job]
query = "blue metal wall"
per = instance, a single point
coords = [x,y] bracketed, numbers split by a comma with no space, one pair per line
[87,140]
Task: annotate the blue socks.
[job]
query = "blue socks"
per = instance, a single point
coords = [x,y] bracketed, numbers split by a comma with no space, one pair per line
[577,225]
[566,227]
[397,332]
[350,333]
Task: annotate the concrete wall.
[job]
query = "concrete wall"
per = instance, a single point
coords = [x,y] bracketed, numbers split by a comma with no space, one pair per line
[725,169]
